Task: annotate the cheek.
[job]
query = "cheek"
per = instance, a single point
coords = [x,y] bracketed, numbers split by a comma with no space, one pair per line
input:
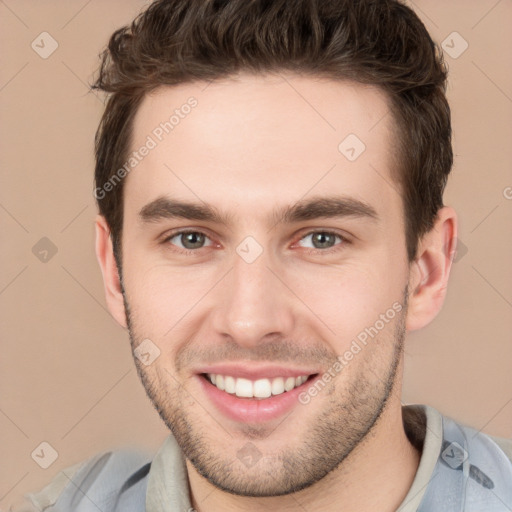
[351,298]
[162,297]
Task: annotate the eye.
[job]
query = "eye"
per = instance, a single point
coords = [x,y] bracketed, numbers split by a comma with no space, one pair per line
[322,240]
[188,240]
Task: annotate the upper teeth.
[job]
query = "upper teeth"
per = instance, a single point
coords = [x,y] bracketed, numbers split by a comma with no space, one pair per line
[261,388]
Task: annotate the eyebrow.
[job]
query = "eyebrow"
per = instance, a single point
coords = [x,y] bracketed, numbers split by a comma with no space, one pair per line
[164,208]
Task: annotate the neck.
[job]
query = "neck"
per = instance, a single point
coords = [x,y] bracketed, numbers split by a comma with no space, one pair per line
[384,461]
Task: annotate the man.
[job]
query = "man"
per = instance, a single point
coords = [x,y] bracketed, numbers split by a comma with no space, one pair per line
[269,178]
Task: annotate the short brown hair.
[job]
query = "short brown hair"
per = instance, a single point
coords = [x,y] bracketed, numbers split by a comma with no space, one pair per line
[377,42]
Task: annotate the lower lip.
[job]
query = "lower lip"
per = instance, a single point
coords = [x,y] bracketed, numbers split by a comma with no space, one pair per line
[250,410]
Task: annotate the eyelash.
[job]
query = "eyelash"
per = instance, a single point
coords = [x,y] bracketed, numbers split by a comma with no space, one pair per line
[193,252]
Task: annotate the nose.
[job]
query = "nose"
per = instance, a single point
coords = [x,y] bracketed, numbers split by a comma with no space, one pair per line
[253,304]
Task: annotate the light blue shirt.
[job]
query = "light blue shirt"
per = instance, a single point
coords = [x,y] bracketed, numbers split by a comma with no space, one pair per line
[460,470]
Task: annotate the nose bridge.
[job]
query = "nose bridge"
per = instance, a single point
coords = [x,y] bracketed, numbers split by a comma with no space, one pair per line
[252,302]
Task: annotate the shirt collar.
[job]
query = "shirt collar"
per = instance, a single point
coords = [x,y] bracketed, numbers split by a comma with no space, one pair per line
[432,442]
[168,487]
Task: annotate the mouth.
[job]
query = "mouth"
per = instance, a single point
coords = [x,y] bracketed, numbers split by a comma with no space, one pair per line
[255,399]
[259,389]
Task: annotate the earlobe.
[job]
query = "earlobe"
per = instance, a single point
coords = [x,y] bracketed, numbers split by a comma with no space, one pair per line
[428,279]
[111,281]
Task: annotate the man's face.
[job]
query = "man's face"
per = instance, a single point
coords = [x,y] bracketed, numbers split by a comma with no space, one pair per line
[260,297]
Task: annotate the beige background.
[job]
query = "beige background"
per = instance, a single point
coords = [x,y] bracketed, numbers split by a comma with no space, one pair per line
[67,376]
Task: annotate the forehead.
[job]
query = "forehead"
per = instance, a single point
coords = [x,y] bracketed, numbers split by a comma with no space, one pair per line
[258,141]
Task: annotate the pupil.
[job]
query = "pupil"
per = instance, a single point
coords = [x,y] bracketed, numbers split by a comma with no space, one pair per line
[324,240]
[192,240]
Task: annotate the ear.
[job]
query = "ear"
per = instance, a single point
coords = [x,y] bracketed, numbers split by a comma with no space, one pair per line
[428,277]
[111,281]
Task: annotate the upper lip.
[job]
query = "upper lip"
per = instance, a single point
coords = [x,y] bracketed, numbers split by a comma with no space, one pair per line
[255,372]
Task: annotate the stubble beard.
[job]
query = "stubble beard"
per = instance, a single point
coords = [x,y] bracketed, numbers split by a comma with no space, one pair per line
[347,417]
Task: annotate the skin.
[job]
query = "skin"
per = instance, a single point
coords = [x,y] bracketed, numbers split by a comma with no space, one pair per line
[252,145]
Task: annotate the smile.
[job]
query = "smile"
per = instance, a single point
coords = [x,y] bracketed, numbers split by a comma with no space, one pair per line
[260,389]
[254,395]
